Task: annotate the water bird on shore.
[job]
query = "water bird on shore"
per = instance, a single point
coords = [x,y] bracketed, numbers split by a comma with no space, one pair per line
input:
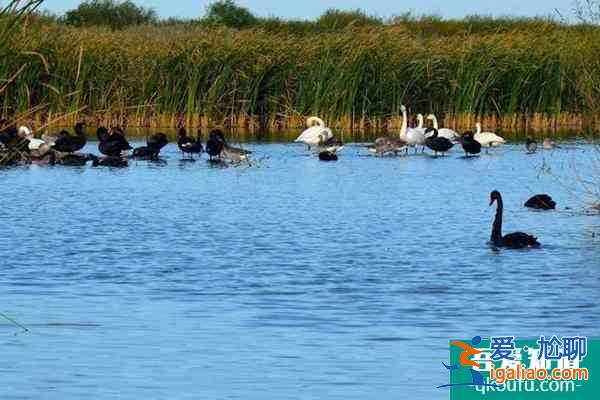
[549,144]
[113,142]
[443,132]
[11,136]
[469,144]
[189,145]
[8,133]
[70,144]
[541,202]
[488,139]
[154,144]
[215,145]
[231,153]
[385,145]
[316,133]
[26,134]
[413,137]
[390,145]
[436,143]
[517,240]
[531,145]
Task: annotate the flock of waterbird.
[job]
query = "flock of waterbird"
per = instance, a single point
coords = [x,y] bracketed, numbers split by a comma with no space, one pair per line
[440,140]
[64,149]
[20,146]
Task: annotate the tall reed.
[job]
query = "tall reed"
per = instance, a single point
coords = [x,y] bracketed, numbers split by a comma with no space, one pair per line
[266,79]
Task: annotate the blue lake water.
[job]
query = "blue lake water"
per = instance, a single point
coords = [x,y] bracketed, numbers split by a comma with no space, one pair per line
[290,279]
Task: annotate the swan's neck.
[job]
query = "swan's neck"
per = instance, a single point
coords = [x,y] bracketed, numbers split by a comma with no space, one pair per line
[404,128]
[420,121]
[497,228]
[435,123]
[478,128]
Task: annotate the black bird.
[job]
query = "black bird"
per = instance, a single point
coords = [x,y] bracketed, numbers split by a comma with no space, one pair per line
[437,144]
[518,240]
[70,144]
[469,144]
[188,144]
[114,143]
[9,134]
[103,134]
[328,156]
[154,145]
[108,161]
[531,145]
[541,202]
[215,144]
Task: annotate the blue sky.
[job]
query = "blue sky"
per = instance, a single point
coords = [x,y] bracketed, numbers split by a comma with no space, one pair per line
[308,9]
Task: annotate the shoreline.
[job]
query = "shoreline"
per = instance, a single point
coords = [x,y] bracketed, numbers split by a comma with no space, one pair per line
[515,127]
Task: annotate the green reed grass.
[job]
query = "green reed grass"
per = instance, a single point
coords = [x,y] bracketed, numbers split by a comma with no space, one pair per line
[525,71]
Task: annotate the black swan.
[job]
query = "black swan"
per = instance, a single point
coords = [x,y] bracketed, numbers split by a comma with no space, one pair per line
[518,240]
[154,144]
[8,134]
[531,145]
[437,144]
[188,144]
[70,144]
[541,202]
[215,144]
[112,142]
[469,144]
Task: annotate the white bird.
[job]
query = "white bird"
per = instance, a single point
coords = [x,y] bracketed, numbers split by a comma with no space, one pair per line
[316,134]
[416,136]
[26,133]
[488,139]
[444,132]
[413,137]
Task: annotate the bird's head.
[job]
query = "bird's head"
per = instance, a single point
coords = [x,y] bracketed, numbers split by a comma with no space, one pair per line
[25,132]
[79,127]
[494,196]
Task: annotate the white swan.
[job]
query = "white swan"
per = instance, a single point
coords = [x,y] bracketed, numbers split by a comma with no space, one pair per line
[316,134]
[416,136]
[444,132]
[413,137]
[488,139]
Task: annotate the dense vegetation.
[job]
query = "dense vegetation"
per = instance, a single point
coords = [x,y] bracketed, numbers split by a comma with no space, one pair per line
[353,69]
